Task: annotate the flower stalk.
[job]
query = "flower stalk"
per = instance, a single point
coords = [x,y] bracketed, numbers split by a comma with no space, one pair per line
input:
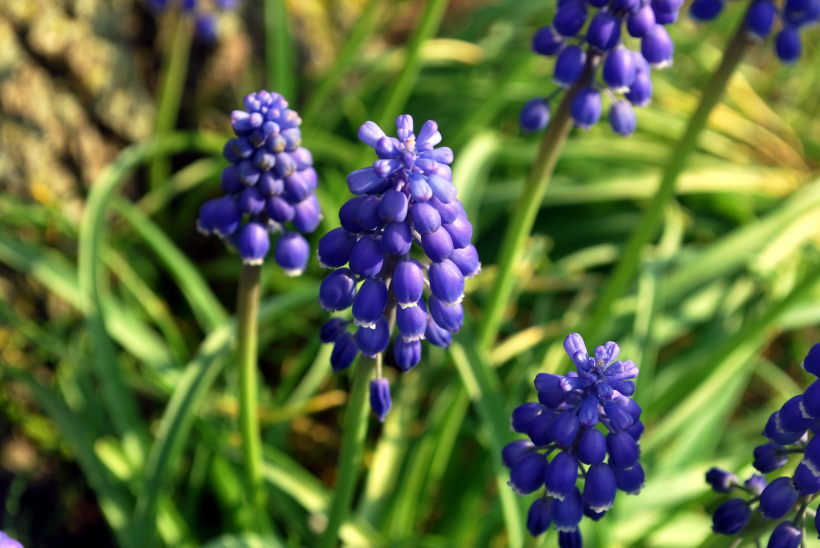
[523,219]
[247,311]
[350,456]
[629,259]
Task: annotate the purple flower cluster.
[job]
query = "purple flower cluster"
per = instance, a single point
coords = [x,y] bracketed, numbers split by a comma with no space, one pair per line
[788,431]
[206,14]
[624,72]
[269,183]
[565,419]
[405,197]
[763,16]
[8,542]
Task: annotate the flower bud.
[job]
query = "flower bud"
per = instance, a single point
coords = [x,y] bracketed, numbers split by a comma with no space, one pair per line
[407,353]
[570,539]
[604,31]
[397,239]
[778,498]
[561,475]
[535,115]
[599,487]
[524,414]
[412,321]
[538,516]
[570,18]
[373,342]
[631,480]
[721,480]
[528,475]
[448,316]
[426,218]
[569,66]
[623,452]
[785,535]
[437,335]
[805,481]
[338,289]
[437,245]
[446,282]
[731,516]
[369,303]
[567,513]
[334,248]
[344,352]
[657,47]
[367,257]
[253,244]
[332,330]
[586,107]
[546,41]
[564,428]
[592,447]
[307,215]
[461,232]
[639,23]
[539,429]
[393,206]
[292,253]
[622,118]
[380,400]
[514,452]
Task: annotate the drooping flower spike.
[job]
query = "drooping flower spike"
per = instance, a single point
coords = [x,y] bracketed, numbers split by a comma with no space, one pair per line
[406,197]
[206,14]
[570,417]
[268,186]
[624,72]
[788,429]
[764,17]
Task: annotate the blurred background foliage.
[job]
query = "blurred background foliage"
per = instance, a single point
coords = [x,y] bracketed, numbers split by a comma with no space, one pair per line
[724,307]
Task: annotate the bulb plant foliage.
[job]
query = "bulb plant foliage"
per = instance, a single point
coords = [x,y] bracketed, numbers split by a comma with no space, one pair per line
[765,17]
[790,430]
[582,43]
[268,186]
[406,197]
[572,413]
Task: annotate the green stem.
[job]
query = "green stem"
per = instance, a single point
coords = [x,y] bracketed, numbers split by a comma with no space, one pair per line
[523,219]
[171,88]
[350,455]
[629,259]
[278,57]
[247,312]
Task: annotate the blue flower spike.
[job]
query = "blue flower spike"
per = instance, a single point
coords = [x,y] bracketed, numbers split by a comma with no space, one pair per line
[268,186]
[403,249]
[791,430]
[206,17]
[624,72]
[568,425]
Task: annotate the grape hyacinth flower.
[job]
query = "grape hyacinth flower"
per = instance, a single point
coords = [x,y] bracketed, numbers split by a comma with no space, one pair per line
[268,186]
[789,430]
[206,14]
[8,542]
[625,72]
[566,419]
[405,197]
[763,17]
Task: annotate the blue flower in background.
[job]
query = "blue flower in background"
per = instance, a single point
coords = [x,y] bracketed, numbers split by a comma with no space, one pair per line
[268,186]
[624,71]
[788,429]
[792,18]
[8,542]
[565,419]
[206,14]
[405,197]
